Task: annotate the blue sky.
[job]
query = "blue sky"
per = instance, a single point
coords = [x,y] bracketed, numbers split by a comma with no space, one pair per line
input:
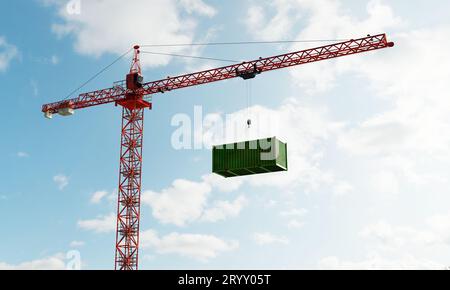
[368,144]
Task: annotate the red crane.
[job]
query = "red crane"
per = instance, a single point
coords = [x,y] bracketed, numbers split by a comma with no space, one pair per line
[136,96]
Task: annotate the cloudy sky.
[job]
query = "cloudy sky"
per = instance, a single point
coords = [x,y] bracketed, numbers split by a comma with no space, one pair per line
[368,141]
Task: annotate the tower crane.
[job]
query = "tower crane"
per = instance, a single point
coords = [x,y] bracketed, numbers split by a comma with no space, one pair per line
[135,96]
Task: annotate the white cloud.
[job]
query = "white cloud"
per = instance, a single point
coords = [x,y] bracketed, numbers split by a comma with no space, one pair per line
[187,201]
[271,203]
[295,224]
[342,188]
[269,239]
[54,60]
[296,212]
[401,247]
[195,246]
[181,203]
[440,225]
[101,224]
[77,244]
[98,196]
[22,154]
[419,111]
[221,210]
[295,217]
[198,6]
[389,237]
[379,18]
[376,262]
[435,232]
[385,183]
[7,53]
[404,144]
[61,181]
[276,28]
[135,22]
[375,136]
[46,60]
[223,184]
[255,15]
[56,262]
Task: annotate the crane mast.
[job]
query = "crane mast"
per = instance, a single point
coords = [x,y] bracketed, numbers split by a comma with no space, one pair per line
[134,98]
[130,170]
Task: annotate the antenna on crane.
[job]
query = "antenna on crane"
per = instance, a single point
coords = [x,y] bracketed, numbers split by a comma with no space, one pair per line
[249,102]
[136,64]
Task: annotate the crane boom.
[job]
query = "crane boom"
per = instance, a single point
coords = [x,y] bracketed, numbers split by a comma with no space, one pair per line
[245,70]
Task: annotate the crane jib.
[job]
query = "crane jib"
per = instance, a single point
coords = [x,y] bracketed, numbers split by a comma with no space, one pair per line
[245,70]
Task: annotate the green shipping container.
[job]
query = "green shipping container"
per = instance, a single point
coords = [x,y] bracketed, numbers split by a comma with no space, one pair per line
[250,157]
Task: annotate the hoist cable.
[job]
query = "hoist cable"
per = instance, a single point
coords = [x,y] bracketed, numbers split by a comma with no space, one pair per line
[243,43]
[190,56]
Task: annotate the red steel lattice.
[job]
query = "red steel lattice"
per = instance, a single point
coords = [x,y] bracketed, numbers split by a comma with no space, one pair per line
[130,174]
[116,94]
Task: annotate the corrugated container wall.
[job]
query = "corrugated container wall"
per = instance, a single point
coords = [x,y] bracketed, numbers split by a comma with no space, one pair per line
[250,157]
